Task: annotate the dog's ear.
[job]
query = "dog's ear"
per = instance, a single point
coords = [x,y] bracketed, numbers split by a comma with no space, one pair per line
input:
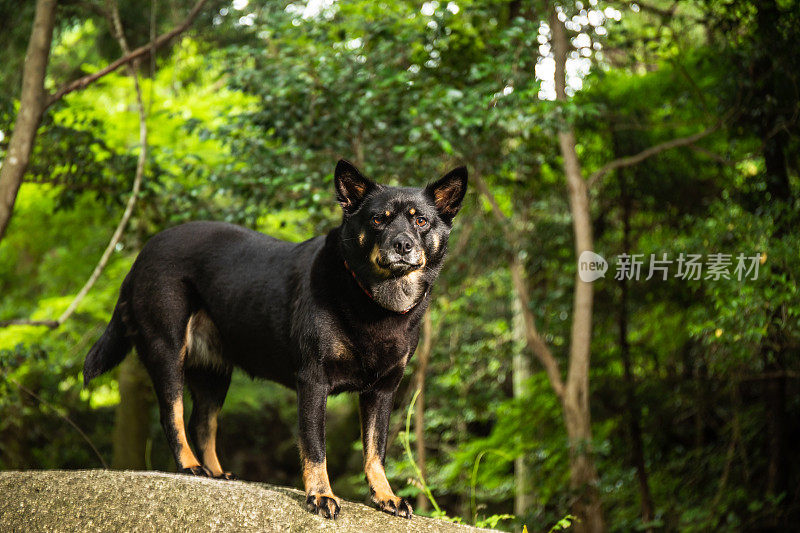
[448,192]
[351,186]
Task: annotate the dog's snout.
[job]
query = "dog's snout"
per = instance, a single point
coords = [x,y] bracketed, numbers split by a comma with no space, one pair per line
[402,244]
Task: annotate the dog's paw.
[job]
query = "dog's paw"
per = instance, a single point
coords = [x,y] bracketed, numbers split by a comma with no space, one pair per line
[227,475]
[196,471]
[326,505]
[393,505]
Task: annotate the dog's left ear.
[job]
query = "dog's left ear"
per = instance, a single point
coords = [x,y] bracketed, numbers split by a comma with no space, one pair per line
[351,186]
[448,192]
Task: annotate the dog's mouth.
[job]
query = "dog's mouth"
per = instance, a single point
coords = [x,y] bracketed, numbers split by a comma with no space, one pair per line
[399,266]
[390,263]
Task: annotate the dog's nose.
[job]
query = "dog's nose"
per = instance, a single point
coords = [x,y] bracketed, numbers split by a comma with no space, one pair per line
[402,244]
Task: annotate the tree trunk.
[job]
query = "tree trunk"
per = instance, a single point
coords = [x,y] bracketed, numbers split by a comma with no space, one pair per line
[31,106]
[521,373]
[776,429]
[775,142]
[575,403]
[632,413]
[583,474]
[132,421]
[423,356]
[34,100]
[774,137]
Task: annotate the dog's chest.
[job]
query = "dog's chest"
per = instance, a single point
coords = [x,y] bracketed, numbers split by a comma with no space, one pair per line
[360,363]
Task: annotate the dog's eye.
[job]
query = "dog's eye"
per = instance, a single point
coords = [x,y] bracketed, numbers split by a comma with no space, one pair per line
[377,220]
[422,222]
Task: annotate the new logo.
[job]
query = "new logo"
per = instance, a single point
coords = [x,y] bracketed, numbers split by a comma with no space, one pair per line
[591,266]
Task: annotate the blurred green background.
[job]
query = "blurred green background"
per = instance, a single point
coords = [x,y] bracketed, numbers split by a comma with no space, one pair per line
[693,383]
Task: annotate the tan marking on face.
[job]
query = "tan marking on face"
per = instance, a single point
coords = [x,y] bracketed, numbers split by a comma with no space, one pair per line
[373,257]
[414,276]
[412,211]
[436,241]
[185,455]
[361,237]
[387,213]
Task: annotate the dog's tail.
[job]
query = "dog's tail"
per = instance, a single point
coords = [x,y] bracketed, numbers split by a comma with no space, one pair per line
[112,347]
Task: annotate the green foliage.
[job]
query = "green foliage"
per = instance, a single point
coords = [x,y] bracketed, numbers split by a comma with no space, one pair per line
[247,117]
[405,439]
[564,524]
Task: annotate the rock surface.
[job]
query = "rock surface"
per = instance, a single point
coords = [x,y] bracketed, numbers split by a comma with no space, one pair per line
[120,501]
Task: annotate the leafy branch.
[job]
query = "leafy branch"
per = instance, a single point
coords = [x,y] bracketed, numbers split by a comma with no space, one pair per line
[405,439]
[128,57]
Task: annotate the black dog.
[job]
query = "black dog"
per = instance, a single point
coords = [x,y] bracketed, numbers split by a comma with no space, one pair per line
[336,313]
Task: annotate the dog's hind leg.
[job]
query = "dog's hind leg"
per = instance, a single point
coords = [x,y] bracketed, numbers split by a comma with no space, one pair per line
[208,388]
[163,359]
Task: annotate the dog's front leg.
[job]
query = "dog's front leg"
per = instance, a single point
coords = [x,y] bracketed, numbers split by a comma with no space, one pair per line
[375,406]
[312,399]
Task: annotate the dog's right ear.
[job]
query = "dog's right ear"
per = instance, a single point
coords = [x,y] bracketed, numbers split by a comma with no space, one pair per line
[351,186]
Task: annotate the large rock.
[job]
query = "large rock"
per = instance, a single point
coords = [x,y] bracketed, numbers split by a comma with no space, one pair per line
[103,500]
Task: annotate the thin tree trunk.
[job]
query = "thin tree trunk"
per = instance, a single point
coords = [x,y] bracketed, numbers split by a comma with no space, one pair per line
[632,412]
[583,474]
[525,327]
[700,377]
[34,100]
[521,370]
[775,143]
[776,424]
[520,282]
[132,421]
[132,418]
[31,106]
[773,134]
[423,356]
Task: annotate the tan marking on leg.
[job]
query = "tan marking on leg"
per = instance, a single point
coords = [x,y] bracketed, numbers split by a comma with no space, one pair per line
[382,494]
[203,347]
[319,496]
[376,477]
[315,478]
[187,339]
[209,447]
[340,351]
[185,454]
[373,468]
